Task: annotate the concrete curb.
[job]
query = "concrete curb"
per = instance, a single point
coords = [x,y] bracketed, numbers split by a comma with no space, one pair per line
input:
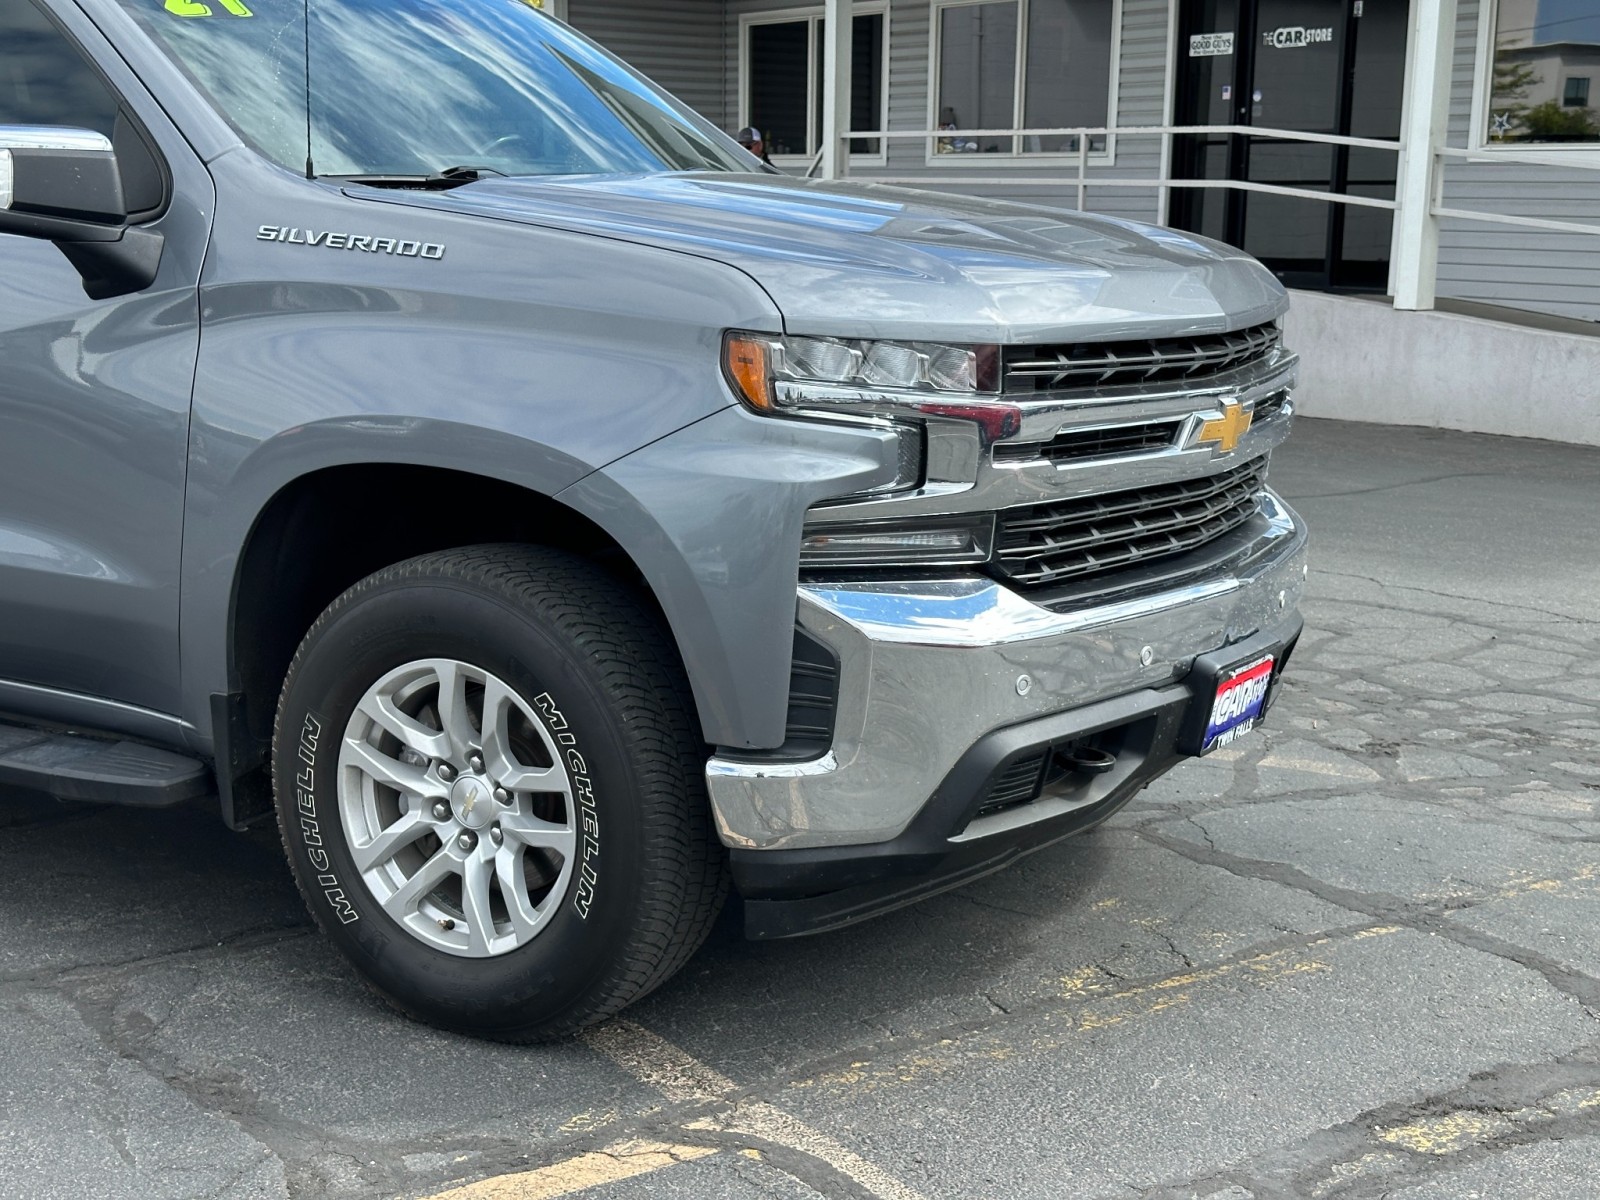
[1364,361]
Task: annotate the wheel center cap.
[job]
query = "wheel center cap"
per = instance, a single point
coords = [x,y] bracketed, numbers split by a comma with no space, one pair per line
[472,801]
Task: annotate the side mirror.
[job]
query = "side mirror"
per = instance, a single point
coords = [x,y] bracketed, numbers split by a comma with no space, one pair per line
[63,185]
[50,175]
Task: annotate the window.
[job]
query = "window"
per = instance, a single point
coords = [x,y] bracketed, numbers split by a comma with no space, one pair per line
[46,80]
[43,78]
[1543,56]
[1022,64]
[782,73]
[509,90]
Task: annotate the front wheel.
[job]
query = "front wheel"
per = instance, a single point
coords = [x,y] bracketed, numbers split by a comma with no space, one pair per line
[490,791]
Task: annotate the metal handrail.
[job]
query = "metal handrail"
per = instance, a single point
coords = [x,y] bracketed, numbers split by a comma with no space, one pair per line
[1083,182]
[1510,157]
[1439,209]
[1242,185]
[1260,131]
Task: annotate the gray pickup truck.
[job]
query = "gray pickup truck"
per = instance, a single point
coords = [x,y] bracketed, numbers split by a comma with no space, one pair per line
[416,424]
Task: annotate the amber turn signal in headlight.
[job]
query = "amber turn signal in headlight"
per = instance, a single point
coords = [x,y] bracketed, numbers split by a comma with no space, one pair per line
[772,371]
[746,360]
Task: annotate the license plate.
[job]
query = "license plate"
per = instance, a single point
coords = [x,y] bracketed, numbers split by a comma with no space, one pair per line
[1241,694]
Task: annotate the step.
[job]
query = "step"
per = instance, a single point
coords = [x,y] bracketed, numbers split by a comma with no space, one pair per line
[74,766]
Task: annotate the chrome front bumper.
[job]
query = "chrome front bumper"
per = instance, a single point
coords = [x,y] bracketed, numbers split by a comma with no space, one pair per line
[929,667]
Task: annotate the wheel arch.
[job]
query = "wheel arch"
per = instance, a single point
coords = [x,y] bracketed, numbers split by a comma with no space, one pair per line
[314,538]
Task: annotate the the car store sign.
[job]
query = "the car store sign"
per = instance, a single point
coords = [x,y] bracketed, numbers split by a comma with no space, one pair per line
[1288,37]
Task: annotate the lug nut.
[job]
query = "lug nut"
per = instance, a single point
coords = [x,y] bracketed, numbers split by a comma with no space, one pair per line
[466,841]
[502,796]
[441,811]
[476,763]
[496,836]
[446,772]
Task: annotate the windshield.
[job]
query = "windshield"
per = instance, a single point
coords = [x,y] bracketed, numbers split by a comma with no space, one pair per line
[413,87]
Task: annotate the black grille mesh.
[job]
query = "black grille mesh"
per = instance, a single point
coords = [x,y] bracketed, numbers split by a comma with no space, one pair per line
[1081,445]
[813,698]
[1015,784]
[1113,364]
[1051,543]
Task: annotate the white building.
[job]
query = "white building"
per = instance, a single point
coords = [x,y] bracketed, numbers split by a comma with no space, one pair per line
[1452,189]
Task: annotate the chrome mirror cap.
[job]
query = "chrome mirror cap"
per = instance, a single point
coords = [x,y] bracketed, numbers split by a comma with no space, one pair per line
[51,137]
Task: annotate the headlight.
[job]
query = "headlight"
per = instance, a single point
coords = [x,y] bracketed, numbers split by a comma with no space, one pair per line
[890,385]
[818,376]
[757,362]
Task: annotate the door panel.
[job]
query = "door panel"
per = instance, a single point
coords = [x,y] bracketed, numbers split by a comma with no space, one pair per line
[1315,66]
[94,415]
[1207,87]
[1377,90]
[1296,84]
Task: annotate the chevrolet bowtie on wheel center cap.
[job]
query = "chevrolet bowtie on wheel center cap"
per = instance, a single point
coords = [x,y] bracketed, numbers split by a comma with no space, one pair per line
[457,808]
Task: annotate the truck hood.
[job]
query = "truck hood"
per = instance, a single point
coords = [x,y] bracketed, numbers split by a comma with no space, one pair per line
[866,260]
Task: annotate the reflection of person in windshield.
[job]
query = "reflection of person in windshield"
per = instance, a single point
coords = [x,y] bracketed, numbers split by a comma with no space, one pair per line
[750,138]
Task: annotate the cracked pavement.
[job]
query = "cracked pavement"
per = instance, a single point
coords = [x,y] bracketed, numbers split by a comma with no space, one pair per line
[1355,955]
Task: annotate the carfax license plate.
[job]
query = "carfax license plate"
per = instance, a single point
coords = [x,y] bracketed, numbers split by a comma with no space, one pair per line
[1241,694]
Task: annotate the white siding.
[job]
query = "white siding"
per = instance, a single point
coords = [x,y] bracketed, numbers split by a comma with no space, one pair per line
[1141,101]
[1540,270]
[691,48]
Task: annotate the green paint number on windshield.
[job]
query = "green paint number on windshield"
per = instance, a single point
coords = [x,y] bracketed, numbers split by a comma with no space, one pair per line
[193,8]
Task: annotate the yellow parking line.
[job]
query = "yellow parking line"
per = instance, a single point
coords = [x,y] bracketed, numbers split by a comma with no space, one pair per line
[1446,1134]
[623,1160]
[657,1063]
[1097,1003]
[1581,880]
[682,1078]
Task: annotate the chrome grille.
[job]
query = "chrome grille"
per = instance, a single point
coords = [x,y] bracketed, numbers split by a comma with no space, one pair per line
[1080,445]
[1049,543]
[1112,364]
[1270,406]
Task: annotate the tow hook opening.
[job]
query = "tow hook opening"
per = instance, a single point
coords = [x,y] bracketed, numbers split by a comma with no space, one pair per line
[1089,759]
[1064,771]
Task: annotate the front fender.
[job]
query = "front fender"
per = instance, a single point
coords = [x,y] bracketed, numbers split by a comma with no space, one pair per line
[528,355]
[712,517]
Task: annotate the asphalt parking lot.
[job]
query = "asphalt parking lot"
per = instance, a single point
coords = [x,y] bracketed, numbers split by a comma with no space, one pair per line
[1356,955]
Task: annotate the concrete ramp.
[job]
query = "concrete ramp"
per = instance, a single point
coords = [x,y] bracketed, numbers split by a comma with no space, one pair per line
[1365,361]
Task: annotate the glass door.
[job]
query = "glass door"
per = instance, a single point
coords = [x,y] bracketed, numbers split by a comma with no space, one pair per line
[1296,84]
[1209,51]
[1377,90]
[1313,66]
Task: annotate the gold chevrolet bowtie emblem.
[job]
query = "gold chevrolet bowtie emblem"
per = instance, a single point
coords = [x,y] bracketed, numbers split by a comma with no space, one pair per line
[1227,429]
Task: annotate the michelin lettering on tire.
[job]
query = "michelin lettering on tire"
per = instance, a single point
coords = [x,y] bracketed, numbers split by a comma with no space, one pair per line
[305,794]
[583,796]
[507,674]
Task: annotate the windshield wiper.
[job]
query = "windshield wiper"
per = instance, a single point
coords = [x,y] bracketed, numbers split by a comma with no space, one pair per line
[449,177]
